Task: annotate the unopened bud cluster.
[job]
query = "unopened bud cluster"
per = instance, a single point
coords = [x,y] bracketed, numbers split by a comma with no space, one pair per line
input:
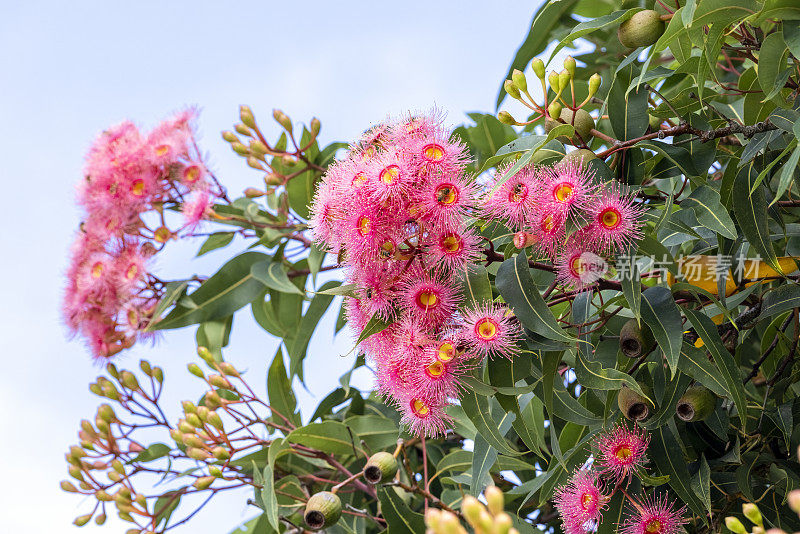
[489,519]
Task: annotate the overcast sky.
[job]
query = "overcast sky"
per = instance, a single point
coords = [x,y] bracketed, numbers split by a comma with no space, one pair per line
[70,69]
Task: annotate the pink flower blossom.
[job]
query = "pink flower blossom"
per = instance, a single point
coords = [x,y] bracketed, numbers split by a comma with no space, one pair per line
[622,451]
[516,198]
[424,416]
[567,189]
[615,218]
[489,330]
[580,502]
[654,516]
[427,298]
[578,266]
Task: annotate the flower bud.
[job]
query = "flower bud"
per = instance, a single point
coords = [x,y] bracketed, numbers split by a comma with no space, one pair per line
[129,380]
[518,77]
[158,374]
[215,471]
[757,530]
[273,179]
[252,192]
[188,407]
[221,453]
[555,83]
[195,370]
[315,126]
[775,531]
[632,405]
[110,390]
[230,137]
[203,482]
[696,404]
[125,516]
[524,239]
[734,525]
[381,466]
[68,486]
[282,119]
[215,420]
[494,499]
[569,66]
[506,118]
[212,400]
[471,508]
[111,369]
[752,513]
[563,79]
[242,129]
[449,524]
[203,412]
[197,454]
[144,365]
[258,148]
[219,381]
[193,440]
[554,109]
[82,520]
[117,466]
[502,523]
[94,388]
[635,339]
[511,89]
[594,84]
[102,496]
[102,425]
[253,162]
[194,420]
[75,472]
[323,509]
[432,518]
[99,519]
[537,65]
[794,500]
[246,115]
[240,149]
[106,413]
[206,355]
[114,476]
[76,452]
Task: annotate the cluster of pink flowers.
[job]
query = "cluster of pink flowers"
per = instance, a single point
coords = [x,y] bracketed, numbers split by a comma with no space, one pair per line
[397,210]
[130,179]
[621,452]
[566,217]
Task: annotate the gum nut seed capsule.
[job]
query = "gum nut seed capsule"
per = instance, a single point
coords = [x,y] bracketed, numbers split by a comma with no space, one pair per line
[696,404]
[635,339]
[323,509]
[642,29]
[380,467]
[581,120]
[632,405]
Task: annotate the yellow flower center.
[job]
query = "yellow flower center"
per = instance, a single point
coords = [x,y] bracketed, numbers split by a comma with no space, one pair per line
[133,317]
[451,243]
[610,218]
[548,224]
[654,526]
[359,179]
[97,269]
[576,265]
[427,298]
[433,152]
[137,187]
[446,352]
[563,191]
[420,408]
[387,249]
[191,174]
[623,453]
[587,500]
[435,370]
[518,193]
[446,194]
[368,153]
[364,225]
[486,329]
[162,150]
[132,272]
[390,174]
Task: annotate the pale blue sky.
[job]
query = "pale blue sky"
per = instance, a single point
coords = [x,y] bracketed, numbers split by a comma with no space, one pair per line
[68,70]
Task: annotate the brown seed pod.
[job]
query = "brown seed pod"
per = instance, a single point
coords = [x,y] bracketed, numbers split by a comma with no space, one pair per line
[633,406]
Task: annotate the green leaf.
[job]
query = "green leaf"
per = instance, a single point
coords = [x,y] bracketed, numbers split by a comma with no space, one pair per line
[584,28]
[375,325]
[627,111]
[707,331]
[677,155]
[516,285]
[268,497]
[316,309]
[778,10]
[696,364]
[477,409]
[544,21]
[347,290]
[399,517]
[666,453]
[750,210]
[787,173]
[791,35]
[215,241]
[705,201]
[780,299]
[377,432]
[153,452]
[722,11]
[771,61]
[279,390]
[701,483]
[327,436]
[273,275]
[230,288]
[662,315]
[166,504]
[474,283]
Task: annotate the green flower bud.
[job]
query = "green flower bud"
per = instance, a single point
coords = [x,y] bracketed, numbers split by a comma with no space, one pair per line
[323,509]
[203,482]
[158,374]
[228,369]
[68,486]
[564,78]
[129,380]
[253,162]
[315,126]
[282,119]
[555,82]
[381,466]
[752,513]
[635,339]
[537,65]
[215,420]
[203,413]
[569,66]
[94,388]
[554,110]
[194,420]
[125,516]
[471,508]
[106,413]
[502,523]
[206,355]
[642,29]
[102,426]
[185,427]
[246,115]
[114,476]
[734,525]
[219,381]
[242,129]
[511,89]
[111,369]
[75,472]
[432,518]
[144,365]
[197,454]
[117,466]
[110,391]
[102,496]
[195,370]
[494,499]
[696,404]
[230,137]
[193,440]
[594,84]
[273,179]
[240,149]
[518,77]
[449,524]
[215,471]
[76,452]
[258,148]
[99,519]
[506,118]
[188,407]
[82,520]
[632,405]
[221,453]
